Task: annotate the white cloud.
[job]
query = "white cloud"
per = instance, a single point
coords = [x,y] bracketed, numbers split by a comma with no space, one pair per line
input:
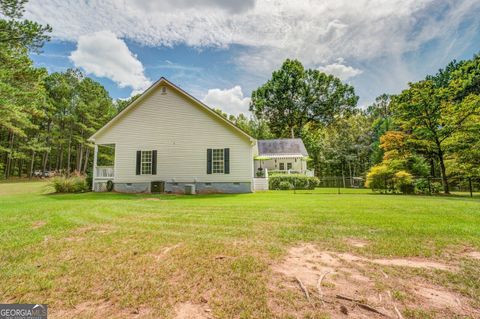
[265,32]
[230,101]
[340,70]
[314,31]
[104,55]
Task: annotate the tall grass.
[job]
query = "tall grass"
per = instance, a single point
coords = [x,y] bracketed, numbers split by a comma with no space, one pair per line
[74,184]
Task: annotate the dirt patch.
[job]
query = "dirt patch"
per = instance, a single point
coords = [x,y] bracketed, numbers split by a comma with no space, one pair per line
[400,262]
[38,224]
[163,253]
[151,198]
[81,233]
[188,310]
[99,309]
[355,242]
[473,255]
[327,275]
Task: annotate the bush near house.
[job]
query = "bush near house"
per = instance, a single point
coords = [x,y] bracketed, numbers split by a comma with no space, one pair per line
[296,181]
[74,184]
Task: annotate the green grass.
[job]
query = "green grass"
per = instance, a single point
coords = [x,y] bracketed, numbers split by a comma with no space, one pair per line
[67,250]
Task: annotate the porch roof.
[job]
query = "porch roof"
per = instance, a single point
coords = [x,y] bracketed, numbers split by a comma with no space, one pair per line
[283,147]
[273,156]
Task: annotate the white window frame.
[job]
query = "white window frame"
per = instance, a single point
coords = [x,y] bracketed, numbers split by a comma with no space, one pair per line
[280,166]
[147,159]
[289,164]
[218,161]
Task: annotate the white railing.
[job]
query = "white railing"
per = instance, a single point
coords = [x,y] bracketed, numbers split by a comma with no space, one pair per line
[292,171]
[261,183]
[104,172]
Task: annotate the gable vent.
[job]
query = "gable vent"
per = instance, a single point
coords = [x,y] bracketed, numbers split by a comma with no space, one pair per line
[164,90]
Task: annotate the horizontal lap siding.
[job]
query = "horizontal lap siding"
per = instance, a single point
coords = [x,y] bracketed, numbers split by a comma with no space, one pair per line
[181,132]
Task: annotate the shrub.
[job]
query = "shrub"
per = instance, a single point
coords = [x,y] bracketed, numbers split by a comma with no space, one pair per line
[436,187]
[284,185]
[297,181]
[379,177]
[421,186]
[403,182]
[75,184]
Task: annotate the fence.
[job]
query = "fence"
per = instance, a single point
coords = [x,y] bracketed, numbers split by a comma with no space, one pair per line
[420,185]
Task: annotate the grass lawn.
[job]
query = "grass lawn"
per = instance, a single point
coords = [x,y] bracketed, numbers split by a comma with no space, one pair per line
[120,255]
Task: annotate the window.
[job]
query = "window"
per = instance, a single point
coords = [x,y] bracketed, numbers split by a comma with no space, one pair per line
[146,162]
[217,161]
[282,166]
[289,166]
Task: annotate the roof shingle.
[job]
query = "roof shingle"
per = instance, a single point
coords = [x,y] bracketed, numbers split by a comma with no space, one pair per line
[282,146]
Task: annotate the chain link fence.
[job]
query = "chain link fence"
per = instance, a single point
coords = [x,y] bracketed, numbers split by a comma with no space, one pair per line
[458,185]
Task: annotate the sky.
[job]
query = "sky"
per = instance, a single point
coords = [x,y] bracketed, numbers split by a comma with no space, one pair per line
[221,50]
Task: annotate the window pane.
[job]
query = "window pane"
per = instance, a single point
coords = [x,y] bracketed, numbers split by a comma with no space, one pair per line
[217,161]
[146,162]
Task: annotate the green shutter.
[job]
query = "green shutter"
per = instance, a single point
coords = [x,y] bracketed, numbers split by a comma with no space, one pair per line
[226,161]
[209,161]
[154,162]
[139,159]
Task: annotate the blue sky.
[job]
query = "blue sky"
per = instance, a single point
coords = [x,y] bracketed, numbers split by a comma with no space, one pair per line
[221,50]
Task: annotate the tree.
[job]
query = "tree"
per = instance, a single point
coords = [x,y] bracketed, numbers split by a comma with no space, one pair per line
[17,33]
[380,115]
[294,97]
[21,85]
[435,113]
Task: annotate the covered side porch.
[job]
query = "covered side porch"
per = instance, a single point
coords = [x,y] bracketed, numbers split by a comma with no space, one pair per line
[285,164]
[103,166]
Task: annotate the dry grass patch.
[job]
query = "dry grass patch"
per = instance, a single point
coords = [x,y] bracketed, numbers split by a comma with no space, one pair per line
[188,310]
[329,276]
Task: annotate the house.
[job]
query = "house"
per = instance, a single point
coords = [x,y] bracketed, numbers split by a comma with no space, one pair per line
[168,141]
[287,155]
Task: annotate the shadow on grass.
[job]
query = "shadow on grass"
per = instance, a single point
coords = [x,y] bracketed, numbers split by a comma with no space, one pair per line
[125,196]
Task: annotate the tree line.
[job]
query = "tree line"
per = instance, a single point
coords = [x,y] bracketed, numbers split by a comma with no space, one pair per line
[431,129]
[46,119]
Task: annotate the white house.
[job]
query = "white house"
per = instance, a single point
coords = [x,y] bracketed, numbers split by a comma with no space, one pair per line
[168,141]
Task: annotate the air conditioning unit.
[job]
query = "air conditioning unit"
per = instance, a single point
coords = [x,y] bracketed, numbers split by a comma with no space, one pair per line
[190,189]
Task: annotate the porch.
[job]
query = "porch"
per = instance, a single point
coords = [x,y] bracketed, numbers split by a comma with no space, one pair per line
[282,164]
[103,165]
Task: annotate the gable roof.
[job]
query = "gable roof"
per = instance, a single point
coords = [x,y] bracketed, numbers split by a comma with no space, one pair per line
[152,88]
[282,146]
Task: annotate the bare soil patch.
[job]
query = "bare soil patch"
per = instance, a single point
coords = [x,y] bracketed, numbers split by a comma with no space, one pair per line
[356,242]
[99,309]
[400,262]
[188,310]
[151,198]
[164,252]
[38,224]
[328,276]
[473,255]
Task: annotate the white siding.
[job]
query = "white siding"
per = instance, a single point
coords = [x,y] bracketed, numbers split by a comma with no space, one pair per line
[181,131]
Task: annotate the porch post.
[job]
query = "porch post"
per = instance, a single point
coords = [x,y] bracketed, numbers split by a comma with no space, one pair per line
[94,174]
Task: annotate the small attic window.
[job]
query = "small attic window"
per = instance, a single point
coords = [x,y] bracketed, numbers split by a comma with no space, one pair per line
[163,90]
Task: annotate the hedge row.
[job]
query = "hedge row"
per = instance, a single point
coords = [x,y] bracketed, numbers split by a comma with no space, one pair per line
[292,181]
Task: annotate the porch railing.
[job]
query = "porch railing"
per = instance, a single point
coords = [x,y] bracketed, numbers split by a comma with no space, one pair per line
[104,172]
